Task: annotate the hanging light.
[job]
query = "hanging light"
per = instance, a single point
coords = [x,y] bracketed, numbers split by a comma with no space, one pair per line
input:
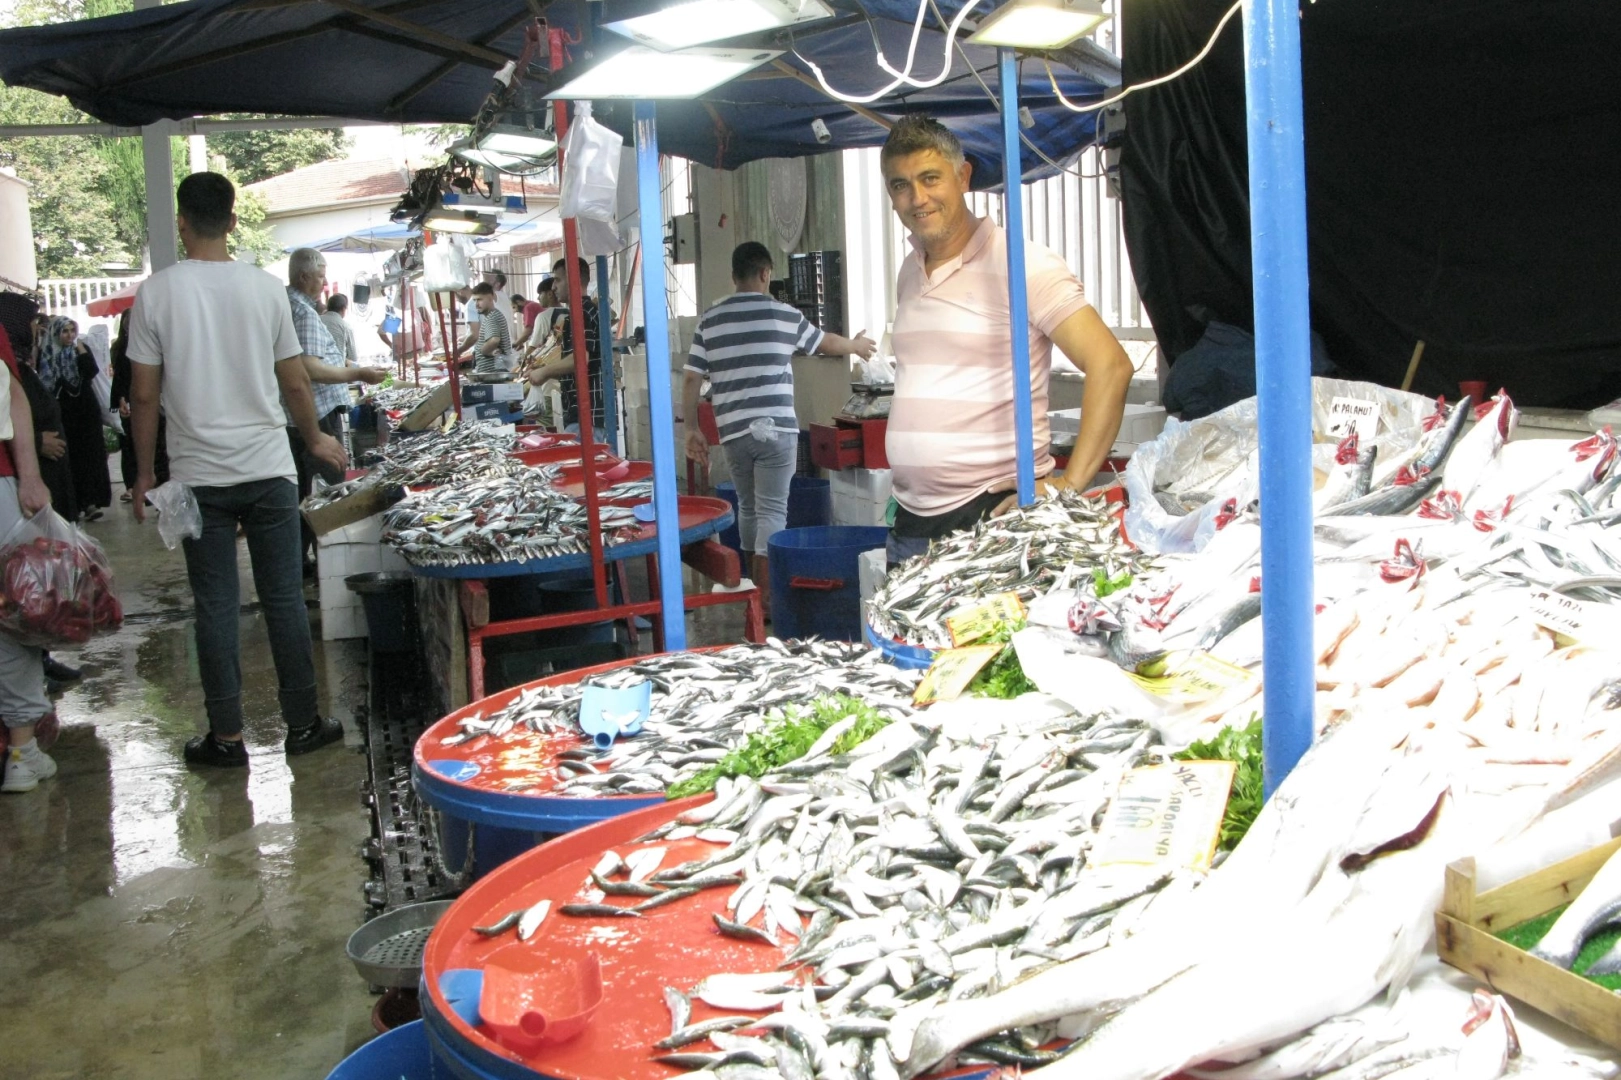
[695,22]
[642,73]
[448,219]
[1039,24]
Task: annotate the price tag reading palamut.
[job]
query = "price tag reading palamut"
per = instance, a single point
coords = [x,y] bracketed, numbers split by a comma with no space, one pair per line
[1348,414]
[1166,815]
[970,625]
[952,671]
[1577,620]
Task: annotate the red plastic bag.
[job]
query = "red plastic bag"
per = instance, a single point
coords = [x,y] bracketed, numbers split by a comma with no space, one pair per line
[56,587]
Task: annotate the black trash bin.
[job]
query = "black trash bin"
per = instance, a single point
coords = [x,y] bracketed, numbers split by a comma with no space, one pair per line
[390,601]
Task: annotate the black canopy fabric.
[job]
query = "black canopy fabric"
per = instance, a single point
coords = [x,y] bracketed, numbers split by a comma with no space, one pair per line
[431,61]
[1462,161]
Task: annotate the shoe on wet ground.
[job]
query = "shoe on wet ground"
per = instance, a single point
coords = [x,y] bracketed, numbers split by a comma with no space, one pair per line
[302,740]
[26,768]
[55,669]
[221,753]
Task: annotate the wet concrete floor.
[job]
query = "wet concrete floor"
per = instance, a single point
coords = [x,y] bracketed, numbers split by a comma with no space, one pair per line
[160,921]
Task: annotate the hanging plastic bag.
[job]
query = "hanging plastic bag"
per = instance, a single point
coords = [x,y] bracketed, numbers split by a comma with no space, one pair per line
[56,587]
[445,268]
[179,516]
[590,169]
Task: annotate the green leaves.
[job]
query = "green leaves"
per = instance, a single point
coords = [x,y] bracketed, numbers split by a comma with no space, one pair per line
[787,738]
[1241,746]
[1003,677]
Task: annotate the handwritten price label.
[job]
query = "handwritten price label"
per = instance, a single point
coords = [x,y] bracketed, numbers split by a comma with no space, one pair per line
[969,626]
[951,673]
[1348,414]
[1166,815]
[1195,677]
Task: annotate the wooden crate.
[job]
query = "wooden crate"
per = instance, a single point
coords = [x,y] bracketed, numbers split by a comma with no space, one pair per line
[1464,930]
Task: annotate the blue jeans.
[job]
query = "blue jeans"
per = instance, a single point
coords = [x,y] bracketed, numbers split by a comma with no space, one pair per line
[267,511]
[762,473]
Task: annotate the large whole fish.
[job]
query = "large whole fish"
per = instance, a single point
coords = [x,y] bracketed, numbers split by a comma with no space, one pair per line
[1598,905]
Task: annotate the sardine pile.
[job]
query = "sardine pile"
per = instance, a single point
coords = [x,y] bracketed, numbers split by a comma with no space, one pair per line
[704,704]
[630,489]
[940,861]
[400,398]
[500,519]
[466,452]
[1022,552]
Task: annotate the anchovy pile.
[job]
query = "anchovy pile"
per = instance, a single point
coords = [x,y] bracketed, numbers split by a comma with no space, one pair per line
[704,705]
[630,489]
[500,519]
[1023,552]
[942,860]
[466,452]
[400,398]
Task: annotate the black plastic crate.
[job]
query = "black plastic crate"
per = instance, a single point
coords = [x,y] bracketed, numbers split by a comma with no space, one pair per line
[816,277]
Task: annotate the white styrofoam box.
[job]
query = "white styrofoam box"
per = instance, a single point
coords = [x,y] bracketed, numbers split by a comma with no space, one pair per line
[1139,424]
[339,624]
[871,484]
[872,567]
[365,531]
[852,510]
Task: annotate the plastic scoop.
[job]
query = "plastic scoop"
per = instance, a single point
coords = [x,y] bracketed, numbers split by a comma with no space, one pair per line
[462,988]
[606,714]
[644,512]
[528,1009]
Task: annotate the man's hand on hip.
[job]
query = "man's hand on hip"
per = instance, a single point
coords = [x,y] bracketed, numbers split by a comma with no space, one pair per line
[328,451]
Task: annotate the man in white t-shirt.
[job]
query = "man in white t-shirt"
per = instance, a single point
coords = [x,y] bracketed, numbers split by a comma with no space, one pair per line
[214,339]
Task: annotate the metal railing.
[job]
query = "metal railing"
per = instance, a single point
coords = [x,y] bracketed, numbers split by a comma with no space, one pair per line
[72,296]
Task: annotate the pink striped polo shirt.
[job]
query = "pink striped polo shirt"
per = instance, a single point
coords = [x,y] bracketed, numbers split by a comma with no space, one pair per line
[951,424]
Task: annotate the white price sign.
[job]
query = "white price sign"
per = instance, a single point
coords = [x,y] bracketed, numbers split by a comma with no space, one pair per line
[1348,414]
[1574,619]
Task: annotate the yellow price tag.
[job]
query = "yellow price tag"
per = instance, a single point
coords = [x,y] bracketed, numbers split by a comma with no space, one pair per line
[952,671]
[1166,815]
[969,626]
[1194,677]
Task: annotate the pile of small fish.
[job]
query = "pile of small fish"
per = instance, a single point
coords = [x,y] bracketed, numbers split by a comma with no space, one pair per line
[941,860]
[400,399]
[704,704]
[466,452]
[629,489]
[500,519]
[1023,552]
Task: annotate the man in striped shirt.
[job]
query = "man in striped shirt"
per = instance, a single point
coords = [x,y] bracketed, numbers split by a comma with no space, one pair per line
[489,338]
[950,440]
[745,345]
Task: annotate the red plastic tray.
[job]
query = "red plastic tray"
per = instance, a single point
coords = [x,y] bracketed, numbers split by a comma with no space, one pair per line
[553,455]
[571,480]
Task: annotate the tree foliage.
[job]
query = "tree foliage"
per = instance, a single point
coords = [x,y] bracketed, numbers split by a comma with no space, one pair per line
[251,156]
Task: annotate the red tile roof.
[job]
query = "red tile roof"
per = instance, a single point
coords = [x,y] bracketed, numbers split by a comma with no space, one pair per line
[332,182]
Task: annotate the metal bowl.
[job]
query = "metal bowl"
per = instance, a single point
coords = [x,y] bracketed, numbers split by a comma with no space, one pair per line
[387,951]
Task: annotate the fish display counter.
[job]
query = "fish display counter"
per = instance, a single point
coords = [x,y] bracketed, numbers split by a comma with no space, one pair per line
[508,771]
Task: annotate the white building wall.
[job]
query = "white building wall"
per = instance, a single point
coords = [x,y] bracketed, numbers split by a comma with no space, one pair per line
[17,266]
[298,229]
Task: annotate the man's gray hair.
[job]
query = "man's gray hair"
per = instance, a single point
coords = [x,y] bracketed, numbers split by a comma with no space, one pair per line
[304,261]
[916,133]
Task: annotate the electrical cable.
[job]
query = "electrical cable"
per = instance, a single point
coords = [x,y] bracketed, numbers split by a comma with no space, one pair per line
[901,78]
[1159,81]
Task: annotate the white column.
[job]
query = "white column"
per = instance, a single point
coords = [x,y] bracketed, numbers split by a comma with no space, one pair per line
[163,249]
[198,145]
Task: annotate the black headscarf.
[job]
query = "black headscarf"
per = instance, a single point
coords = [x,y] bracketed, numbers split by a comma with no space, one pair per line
[17,313]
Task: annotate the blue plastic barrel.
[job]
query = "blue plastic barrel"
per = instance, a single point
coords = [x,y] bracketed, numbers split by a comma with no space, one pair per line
[815,580]
[810,503]
[400,1054]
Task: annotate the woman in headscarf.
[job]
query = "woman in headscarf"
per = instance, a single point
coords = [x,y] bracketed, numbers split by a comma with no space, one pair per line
[67,369]
[17,316]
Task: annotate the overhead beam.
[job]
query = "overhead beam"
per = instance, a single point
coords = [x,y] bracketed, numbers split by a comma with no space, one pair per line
[188,127]
[425,33]
[400,100]
[860,110]
[404,40]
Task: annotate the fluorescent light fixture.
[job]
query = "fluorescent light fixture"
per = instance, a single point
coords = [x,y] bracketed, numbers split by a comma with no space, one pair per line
[466,222]
[1039,24]
[694,22]
[498,162]
[519,142]
[641,73]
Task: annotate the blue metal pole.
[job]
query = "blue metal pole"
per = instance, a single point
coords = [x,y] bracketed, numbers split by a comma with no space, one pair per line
[1018,302]
[661,404]
[1282,375]
[605,349]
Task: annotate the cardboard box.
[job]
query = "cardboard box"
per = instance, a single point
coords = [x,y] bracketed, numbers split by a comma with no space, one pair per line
[365,503]
[427,413]
[491,393]
[504,412]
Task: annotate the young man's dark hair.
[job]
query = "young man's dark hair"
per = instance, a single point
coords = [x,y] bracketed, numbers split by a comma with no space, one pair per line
[585,269]
[500,278]
[337,303]
[206,200]
[484,288]
[749,259]
[546,288]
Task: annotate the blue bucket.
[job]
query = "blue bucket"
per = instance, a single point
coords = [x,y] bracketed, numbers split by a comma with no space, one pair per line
[815,582]
[400,1054]
[810,503]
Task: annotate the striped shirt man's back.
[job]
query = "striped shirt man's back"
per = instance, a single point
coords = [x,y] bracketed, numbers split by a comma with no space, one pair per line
[746,344]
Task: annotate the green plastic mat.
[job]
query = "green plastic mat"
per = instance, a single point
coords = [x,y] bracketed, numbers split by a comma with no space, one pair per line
[1528,933]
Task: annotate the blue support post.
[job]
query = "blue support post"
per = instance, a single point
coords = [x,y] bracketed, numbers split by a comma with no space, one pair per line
[1018,302]
[605,349]
[661,404]
[1282,376]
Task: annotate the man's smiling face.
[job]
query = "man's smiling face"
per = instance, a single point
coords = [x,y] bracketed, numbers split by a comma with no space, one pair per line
[927,192]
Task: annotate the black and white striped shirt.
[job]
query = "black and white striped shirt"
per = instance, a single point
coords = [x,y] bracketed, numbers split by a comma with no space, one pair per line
[746,344]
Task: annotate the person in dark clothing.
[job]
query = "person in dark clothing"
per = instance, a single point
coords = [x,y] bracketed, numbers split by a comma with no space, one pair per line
[120,404]
[55,457]
[68,368]
[562,368]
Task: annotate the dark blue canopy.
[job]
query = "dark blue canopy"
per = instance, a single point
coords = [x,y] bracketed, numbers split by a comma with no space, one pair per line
[430,61]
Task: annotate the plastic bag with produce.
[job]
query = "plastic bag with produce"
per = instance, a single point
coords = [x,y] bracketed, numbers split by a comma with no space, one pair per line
[56,587]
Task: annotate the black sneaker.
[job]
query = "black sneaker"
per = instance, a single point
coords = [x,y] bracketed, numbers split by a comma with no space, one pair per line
[60,672]
[302,740]
[207,750]
[56,687]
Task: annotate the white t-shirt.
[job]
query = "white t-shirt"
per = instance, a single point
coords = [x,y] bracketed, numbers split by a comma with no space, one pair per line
[218,329]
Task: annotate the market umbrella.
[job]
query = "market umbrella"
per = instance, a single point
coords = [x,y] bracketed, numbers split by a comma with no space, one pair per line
[431,61]
[115,303]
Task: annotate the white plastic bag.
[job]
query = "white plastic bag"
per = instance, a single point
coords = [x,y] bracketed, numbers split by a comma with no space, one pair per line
[179,516]
[590,169]
[445,268]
